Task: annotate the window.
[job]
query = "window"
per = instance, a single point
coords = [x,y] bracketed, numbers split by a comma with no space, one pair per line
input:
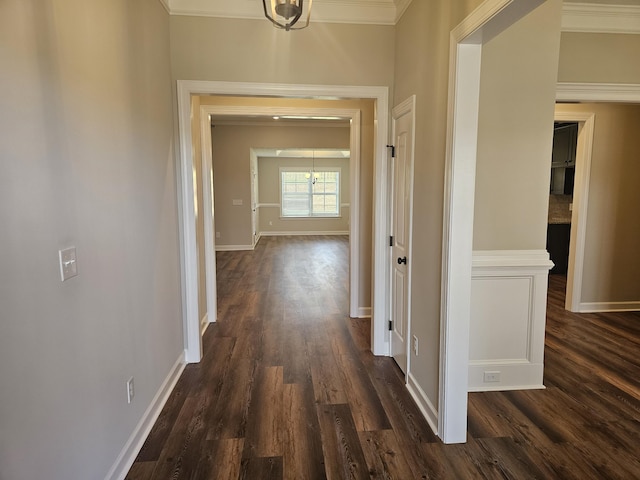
[306,195]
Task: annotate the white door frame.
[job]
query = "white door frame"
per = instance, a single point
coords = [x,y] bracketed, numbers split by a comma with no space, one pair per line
[253,169]
[585,92]
[578,235]
[206,111]
[465,53]
[186,206]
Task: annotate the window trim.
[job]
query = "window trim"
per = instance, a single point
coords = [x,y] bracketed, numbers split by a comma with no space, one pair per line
[311,215]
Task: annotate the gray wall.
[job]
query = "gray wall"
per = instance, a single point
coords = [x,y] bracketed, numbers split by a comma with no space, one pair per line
[599,58]
[206,48]
[231,170]
[87,160]
[515,133]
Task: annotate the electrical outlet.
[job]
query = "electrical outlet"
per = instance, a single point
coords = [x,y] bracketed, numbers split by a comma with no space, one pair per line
[217,234]
[491,377]
[130,390]
[415,345]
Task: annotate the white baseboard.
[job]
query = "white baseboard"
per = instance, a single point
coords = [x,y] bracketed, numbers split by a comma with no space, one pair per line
[514,375]
[130,451]
[303,233]
[424,404]
[595,307]
[233,248]
[364,312]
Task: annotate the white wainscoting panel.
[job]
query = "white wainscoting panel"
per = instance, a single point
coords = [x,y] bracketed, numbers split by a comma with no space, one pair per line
[508,313]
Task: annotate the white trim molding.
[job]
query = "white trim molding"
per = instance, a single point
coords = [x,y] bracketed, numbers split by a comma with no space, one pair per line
[508,315]
[233,248]
[375,12]
[303,233]
[600,18]
[364,312]
[131,449]
[598,92]
[584,148]
[429,412]
[595,307]
[165,4]
[204,323]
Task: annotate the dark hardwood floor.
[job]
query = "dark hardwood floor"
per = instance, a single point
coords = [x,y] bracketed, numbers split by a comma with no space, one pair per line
[288,389]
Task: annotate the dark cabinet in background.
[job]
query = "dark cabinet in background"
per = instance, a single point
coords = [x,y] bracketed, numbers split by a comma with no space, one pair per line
[558,236]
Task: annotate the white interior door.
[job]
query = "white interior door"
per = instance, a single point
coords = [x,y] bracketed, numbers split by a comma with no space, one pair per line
[402,185]
[254,199]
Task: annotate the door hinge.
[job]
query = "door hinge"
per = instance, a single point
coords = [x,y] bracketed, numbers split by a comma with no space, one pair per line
[390,325]
[393,150]
[391,240]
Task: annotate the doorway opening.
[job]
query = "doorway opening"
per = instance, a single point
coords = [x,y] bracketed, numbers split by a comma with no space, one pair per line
[189,89]
[580,146]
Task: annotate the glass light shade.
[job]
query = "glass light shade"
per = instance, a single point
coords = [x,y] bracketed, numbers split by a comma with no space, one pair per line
[285,14]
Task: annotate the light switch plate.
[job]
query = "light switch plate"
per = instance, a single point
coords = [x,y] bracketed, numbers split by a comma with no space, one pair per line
[237,202]
[68,263]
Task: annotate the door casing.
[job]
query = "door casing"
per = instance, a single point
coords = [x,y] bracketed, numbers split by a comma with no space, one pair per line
[184,174]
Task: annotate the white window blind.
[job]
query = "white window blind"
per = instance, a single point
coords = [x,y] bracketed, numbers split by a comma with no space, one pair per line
[310,195]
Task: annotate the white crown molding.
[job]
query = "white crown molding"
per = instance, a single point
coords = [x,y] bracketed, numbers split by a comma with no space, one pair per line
[401,7]
[599,18]
[165,4]
[576,17]
[376,12]
[597,92]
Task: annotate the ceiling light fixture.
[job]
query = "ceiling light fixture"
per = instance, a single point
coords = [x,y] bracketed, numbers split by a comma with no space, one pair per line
[312,174]
[285,14]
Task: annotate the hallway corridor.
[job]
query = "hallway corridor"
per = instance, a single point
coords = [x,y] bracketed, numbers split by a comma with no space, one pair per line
[288,389]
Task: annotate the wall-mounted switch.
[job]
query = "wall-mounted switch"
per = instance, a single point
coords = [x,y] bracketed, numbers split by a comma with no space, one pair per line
[237,202]
[131,392]
[68,263]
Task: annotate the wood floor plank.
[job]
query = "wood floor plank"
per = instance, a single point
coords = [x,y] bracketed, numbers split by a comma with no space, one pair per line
[302,457]
[261,468]
[264,436]
[180,455]
[343,454]
[141,471]
[229,418]
[384,456]
[220,459]
[166,420]
[366,408]
[327,382]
